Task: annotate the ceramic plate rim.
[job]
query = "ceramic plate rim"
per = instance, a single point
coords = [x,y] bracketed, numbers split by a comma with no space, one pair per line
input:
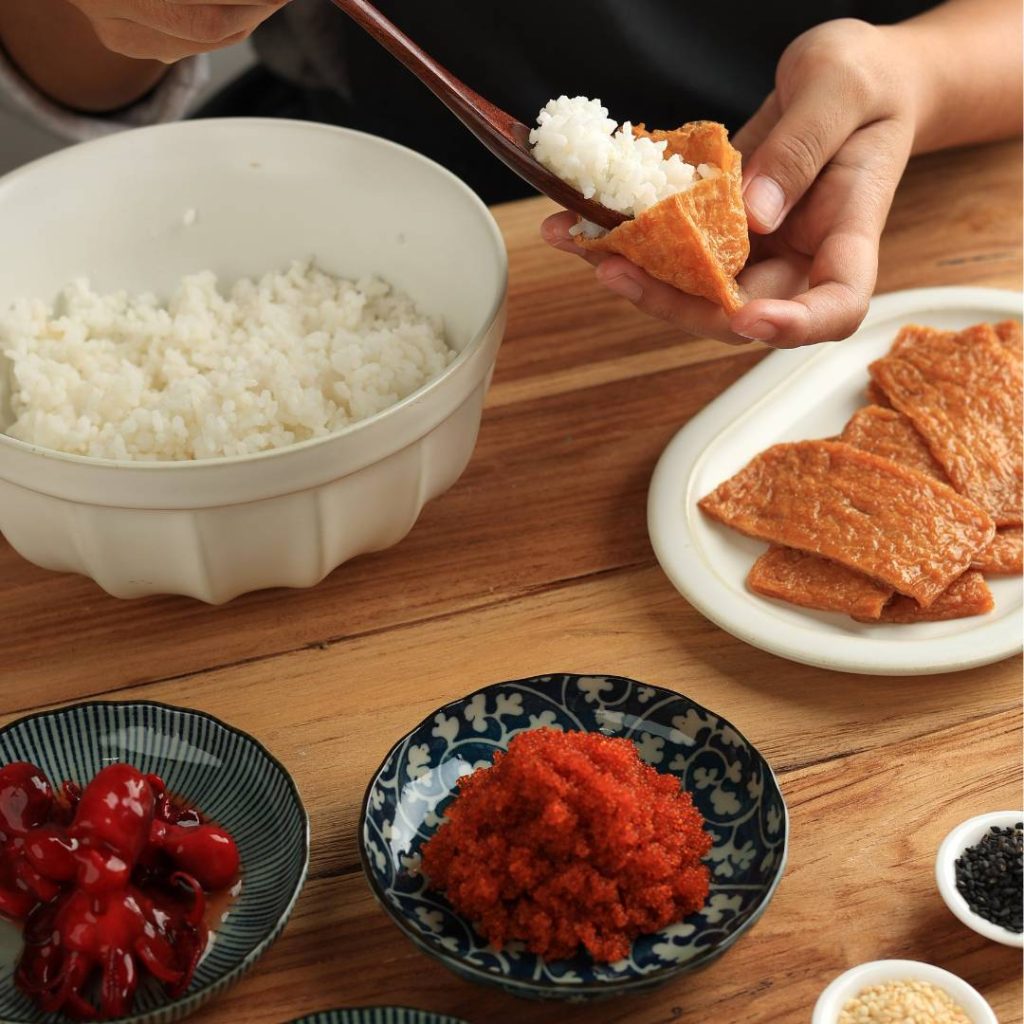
[215,987]
[751,620]
[587,988]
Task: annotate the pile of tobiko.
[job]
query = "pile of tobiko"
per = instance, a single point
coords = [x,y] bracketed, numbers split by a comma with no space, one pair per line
[569,840]
[572,836]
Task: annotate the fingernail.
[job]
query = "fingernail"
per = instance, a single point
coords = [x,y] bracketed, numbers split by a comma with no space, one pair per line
[624,286]
[759,330]
[765,201]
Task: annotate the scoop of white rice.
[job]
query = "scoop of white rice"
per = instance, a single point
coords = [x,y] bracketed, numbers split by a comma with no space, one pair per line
[291,356]
[577,140]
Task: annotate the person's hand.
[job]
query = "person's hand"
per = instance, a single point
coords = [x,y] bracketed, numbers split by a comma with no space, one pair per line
[822,159]
[168,30]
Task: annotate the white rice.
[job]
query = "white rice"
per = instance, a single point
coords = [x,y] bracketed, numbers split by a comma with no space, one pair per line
[292,356]
[577,140]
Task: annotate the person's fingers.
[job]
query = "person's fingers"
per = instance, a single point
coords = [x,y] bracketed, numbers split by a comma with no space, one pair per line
[133,40]
[756,130]
[779,273]
[194,22]
[555,231]
[555,228]
[842,280]
[773,276]
[655,298]
[204,23]
[228,3]
[807,135]
[857,191]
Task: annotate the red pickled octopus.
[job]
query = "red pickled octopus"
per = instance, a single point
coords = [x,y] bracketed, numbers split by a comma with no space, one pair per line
[109,881]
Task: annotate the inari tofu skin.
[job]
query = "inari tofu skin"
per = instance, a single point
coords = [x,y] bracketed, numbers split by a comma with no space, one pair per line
[1009,333]
[896,525]
[876,396]
[1004,556]
[890,434]
[814,582]
[695,240]
[962,392]
[969,595]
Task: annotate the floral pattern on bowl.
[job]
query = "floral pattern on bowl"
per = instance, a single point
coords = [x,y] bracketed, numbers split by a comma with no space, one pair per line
[732,786]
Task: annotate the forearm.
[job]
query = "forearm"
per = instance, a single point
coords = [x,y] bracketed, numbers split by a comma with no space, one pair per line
[968,57]
[56,49]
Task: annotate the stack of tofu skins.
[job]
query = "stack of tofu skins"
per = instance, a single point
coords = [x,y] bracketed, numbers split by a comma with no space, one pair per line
[899,519]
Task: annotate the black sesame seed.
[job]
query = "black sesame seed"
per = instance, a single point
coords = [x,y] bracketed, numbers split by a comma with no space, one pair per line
[989,874]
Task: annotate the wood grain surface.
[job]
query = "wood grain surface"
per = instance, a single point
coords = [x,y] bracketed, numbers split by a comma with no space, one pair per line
[538,561]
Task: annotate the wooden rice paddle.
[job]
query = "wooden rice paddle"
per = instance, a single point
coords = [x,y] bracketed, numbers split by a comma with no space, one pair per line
[502,134]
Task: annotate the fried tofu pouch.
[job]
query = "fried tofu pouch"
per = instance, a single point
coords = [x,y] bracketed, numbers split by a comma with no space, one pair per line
[695,240]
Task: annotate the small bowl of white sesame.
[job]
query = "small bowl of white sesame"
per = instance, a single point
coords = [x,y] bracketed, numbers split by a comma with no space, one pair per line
[883,991]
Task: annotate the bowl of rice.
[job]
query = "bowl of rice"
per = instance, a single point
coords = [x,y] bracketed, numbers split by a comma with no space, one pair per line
[236,353]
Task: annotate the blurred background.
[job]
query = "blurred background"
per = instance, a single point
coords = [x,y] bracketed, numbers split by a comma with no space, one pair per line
[21,141]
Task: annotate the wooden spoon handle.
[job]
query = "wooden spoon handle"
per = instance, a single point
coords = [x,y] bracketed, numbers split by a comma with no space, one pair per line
[507,138]
[478,114]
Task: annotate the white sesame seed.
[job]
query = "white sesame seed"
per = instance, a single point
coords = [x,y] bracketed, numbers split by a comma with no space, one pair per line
[903,1002]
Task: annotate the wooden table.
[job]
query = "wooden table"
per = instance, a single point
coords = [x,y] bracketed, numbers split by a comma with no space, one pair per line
[538,560]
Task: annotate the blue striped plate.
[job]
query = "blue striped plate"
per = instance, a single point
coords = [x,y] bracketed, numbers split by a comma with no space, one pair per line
[377,1015]
[227,774]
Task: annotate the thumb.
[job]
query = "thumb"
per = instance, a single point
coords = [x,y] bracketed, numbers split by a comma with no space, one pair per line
[807,135]
[757,129]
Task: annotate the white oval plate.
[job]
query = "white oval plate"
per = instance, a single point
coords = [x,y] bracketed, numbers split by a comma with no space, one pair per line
[792,395]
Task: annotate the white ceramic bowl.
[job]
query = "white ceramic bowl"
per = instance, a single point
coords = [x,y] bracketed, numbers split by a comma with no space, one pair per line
[264,192]
[877,972]
[964,835]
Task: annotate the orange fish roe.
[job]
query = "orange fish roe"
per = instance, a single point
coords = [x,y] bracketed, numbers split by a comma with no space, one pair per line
[570,839]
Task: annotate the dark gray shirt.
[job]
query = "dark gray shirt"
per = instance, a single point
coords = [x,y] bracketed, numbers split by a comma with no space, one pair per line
[662,62]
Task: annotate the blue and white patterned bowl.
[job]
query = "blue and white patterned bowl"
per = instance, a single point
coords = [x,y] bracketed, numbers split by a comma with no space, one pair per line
[230,776]
[377,1015]
[731,783]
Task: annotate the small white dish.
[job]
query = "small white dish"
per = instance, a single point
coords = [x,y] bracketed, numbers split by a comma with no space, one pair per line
[878,972]
[964,835]
[789,396]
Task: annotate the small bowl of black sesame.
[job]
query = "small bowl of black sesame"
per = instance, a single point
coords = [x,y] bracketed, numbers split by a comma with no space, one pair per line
[978,870]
